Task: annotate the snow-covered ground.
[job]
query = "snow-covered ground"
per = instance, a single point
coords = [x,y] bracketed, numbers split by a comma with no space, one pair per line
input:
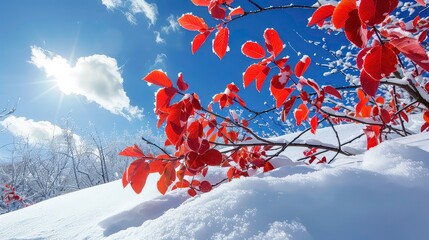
[380,194]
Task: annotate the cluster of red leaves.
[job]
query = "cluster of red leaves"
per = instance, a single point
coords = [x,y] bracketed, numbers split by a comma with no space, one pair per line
[280,87]
[248,160]
[228,96]
[10,195]
[193,133]
[184,131]
[218,11]
[371,19]
[311,153]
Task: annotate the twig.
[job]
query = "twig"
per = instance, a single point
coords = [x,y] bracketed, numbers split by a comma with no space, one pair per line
[155,145]
[256,5]
[272,8]
[338,140]
[325,151]
[397,106]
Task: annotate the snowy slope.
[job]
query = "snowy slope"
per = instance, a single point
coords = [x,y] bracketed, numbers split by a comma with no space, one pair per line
[381,194]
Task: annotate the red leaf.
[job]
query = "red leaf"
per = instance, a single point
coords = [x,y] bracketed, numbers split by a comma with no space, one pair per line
[356,31]
[313,123]
[183,183]
[232,87]
[404,116]
[125,178]
[133,151]
[253,50]
[192,23]
[182,85]
[158,77]
[369,85]
[424,127]
[212,157]
[260,79]
[426,116]
[421,2]
[372,134]
[157,166]
[205,186]
[163,98]
[360,57]
[216,10]
[205,145]
[137,173]
[321,14]
[268,167]
[167,177]
[380,62]
[373,12]
[273,42]
[231,172]
[281,62]
[175,127]
[199,40]
[220,42]
[192,192]
[385,116]
[161,186]
[196,104]
[423,35]
[195,132]
[302,65]
[301,114]
[258,72]
[412,49]
[287,107]
[193,162]
[203,3]
[236,11]
[279,92]
[332,91]
[323,160]
[161,118]
[341,13]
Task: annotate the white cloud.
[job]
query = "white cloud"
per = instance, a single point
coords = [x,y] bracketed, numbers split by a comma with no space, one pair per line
[160,61]
[158,38]
[111,4]
[37,131]
[133,7]
[172,26]
[141,6]
[96,77]
[130,17]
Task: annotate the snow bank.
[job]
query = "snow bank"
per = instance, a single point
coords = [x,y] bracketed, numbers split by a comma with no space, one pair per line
[381,194]
[332,203]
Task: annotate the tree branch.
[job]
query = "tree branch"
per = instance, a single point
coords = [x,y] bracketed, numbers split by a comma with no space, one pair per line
[260,9]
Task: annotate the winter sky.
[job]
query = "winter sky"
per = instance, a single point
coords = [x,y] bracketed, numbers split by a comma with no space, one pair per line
[84,60]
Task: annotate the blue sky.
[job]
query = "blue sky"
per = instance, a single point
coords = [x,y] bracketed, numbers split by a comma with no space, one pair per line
[105,47]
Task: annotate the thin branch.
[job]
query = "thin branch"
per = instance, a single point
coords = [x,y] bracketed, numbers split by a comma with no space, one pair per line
[397,106]
[325,151]
[272,8]
[155,145]
[238,125]
[289,144]
[216,184]
[338,140]
[256,5]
